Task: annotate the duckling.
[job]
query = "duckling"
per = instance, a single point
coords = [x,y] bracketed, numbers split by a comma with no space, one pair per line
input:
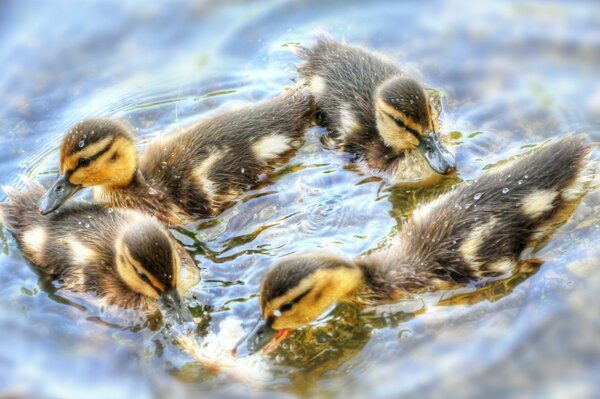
[125,257]
[474,232]
[192,173]
[375,111]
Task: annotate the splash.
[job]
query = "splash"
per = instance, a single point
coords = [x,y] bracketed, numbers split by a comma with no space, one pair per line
[214,353]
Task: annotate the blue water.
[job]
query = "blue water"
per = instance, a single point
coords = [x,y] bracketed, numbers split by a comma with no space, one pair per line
[512,74]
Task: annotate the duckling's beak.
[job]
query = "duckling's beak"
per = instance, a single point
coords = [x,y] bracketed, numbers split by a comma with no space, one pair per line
[171,304]
[61,190]
[436,154]
[262,336]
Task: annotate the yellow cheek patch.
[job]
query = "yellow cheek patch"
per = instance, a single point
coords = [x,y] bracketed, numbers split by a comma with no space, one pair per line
[327,287]
[408,121]
[69,162]
[277,303]
[393,135]
[115,167]
[126,267]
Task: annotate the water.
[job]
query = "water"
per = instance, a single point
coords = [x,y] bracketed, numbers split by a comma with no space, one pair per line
[512,74]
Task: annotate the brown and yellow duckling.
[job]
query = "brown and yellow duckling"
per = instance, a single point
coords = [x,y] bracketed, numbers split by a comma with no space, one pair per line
[191,173]
[125,257]
[375,111]
[475,232]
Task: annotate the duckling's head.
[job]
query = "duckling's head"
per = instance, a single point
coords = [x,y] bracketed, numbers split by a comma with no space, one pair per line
[405,123]
[148,263]
[297,291]
[94,152]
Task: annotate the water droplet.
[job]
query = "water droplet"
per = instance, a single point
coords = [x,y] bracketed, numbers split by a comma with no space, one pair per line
[87,225]
[276,313]
[412,101]
[505,190]
[152,191]
[164,164]
[81,143]
[526,177]
[520,182]
[110,210]
[477,196]
[243,170]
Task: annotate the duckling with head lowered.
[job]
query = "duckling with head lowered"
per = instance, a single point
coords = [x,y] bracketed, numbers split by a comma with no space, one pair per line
[375,111]
[125,257]
[472,233]
[192,173]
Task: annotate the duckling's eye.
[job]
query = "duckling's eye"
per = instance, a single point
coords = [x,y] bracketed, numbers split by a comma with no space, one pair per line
[399,123]
[83,162]
[143,277]
[286,307]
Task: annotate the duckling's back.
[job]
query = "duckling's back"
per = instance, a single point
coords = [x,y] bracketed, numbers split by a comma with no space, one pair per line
[214,160]
[480,229]
[61,243]
[343,80]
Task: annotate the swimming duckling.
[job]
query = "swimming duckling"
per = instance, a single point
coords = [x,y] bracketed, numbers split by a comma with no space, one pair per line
[375,111]
[476,231]
[195,172]
[125,257]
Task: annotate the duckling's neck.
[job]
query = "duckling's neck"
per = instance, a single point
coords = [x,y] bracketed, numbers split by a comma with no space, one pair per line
[381,282]
[139,194]
[407,166]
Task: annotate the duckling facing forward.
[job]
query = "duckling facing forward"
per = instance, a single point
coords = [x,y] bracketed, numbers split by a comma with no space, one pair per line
[125,257]
[375,111]
[196,172]
[476,231]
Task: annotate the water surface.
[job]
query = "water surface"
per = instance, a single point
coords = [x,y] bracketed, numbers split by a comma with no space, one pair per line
[512,75]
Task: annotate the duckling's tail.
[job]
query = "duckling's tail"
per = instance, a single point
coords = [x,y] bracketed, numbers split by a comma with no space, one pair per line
[481,228]
[304,53]
[21,205]
[521,203]
[299,51]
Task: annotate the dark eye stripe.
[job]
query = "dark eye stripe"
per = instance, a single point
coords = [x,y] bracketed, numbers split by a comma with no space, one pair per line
[143,276]
[294,301]
[401,124]
[92,158]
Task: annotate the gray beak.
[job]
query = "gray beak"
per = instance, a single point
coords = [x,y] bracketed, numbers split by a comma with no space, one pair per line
[260,335]
[436,154]
[171,305]
[61,190]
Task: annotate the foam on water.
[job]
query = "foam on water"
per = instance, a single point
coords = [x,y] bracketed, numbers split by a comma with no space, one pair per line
[215,353]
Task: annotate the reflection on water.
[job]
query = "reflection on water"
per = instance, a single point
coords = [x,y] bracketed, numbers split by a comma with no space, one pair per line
[512,75]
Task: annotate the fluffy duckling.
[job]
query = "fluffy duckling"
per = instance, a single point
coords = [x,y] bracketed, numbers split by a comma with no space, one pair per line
[191,173]
[375,111]
[125,257]
[476,231]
